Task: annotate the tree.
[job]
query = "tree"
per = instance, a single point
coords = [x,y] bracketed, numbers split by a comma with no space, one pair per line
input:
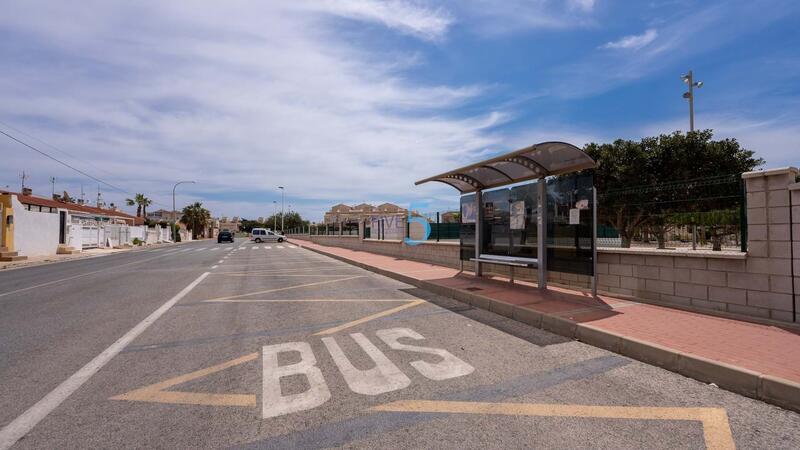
[292,220]
[145,203]
[628,172]
[141,203]
[196,218]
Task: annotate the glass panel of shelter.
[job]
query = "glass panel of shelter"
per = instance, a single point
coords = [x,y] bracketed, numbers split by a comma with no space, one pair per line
[509,225]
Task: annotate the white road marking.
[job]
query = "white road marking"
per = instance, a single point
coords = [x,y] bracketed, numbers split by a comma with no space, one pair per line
[215,248]
[449,367]
[81,275]
[273,403]
[214,267]
[255,247]
[280,246]
[384,377]
[292,246]
[267,247]
[23,424]
[221,261]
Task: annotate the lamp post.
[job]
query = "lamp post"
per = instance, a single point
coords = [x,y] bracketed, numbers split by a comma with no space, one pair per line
[275,215]
[174,214]
[689,95]
[282,203]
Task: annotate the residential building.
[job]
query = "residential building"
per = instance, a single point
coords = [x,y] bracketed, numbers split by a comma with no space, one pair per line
[342,213]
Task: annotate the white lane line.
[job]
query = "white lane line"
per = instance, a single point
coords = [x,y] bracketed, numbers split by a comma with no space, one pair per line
[280,246]
[221,261]
[215,248]
[81,275]
[214,267]
[267,247]
[255,247]
[292,246]
[23,424]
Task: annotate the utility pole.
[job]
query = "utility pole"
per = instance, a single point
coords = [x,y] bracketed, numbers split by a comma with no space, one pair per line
[282,204]
[24,177]
[83,200]
[275,215]
[174,213]
[53,182]
[689,95]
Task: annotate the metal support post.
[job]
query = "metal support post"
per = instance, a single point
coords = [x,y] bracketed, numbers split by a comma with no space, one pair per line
[594,241]
[541,232]
[478,231]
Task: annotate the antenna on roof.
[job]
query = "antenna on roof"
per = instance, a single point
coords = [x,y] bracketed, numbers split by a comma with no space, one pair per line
[53,182]
[24,177]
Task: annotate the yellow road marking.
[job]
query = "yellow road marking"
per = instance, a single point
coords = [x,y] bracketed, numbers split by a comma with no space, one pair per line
[312,300]
[264,275]
[369,317]
[716,429]
[267,291]
[156,392]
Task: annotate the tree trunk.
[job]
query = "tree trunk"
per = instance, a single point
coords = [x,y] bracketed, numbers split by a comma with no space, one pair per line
[139,211]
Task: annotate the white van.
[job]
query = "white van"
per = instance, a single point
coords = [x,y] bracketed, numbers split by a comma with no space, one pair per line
[265,235]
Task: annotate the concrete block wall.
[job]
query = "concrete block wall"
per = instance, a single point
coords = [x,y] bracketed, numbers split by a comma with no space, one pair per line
[772,223]
[794,191]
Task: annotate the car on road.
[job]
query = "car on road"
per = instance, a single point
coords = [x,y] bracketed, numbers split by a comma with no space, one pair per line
[224,236]
[266,235]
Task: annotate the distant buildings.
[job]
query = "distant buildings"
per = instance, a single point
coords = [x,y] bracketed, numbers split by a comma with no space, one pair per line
[342,213]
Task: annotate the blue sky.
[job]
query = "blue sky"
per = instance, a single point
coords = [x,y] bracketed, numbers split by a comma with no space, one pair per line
[353,100]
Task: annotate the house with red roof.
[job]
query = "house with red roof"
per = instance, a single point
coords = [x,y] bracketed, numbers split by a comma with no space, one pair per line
[35,226]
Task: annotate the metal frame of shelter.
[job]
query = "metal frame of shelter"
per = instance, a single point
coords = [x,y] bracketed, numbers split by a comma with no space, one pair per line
[535,162]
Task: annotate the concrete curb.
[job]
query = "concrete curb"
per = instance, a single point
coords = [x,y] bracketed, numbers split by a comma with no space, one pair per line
[770,389]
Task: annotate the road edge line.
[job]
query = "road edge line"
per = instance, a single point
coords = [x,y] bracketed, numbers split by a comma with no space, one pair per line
[746,382]
[24,423]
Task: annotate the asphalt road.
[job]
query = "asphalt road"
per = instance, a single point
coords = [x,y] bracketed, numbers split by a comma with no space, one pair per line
[206,345]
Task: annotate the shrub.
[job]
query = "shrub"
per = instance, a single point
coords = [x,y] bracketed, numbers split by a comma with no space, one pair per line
[137,241]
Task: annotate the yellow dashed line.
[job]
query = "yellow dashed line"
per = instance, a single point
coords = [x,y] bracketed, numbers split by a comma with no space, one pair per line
[369,317]
[716,430]
[156,392]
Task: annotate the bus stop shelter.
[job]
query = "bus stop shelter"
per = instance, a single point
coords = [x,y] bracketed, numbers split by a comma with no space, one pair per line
[511,225]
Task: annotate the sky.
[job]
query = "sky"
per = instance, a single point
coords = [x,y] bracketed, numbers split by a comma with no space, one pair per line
[353,100]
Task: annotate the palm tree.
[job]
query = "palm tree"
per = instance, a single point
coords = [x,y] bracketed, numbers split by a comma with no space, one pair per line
[145,203]
[196,218]
[138,200]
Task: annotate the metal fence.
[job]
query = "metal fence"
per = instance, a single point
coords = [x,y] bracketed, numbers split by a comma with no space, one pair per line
[706,213]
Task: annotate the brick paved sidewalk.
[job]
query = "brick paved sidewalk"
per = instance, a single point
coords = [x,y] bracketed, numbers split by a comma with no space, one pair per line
[766,350]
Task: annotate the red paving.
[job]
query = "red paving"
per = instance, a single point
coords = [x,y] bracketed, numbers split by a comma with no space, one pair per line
[767,349]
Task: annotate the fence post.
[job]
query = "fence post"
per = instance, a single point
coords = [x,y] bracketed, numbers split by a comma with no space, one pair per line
[438,227]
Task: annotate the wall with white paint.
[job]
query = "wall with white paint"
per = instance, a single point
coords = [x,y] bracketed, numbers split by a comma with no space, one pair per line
[35,233]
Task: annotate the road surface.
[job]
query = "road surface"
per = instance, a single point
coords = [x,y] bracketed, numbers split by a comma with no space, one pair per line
[205,345]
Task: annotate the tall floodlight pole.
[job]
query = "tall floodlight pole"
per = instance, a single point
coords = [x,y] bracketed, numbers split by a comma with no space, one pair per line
[174,214]
[282,203]
[275,215]
[689,95]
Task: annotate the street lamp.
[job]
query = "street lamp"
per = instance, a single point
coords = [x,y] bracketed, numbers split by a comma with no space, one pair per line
[282,214]
[689,80]
[174,213]
[275,215]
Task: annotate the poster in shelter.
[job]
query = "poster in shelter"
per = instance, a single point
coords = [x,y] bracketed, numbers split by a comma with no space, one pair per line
[518,215]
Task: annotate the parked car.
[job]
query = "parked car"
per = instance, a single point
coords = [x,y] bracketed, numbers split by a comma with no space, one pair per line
[224,236]
[266,235]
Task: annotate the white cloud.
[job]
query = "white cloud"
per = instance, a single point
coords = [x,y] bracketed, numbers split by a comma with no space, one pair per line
[492,18]
[405,16]
[584,5]
[633,42]
[241,96]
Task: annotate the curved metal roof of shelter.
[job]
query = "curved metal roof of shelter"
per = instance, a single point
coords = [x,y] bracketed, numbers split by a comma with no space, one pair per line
[536,161]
